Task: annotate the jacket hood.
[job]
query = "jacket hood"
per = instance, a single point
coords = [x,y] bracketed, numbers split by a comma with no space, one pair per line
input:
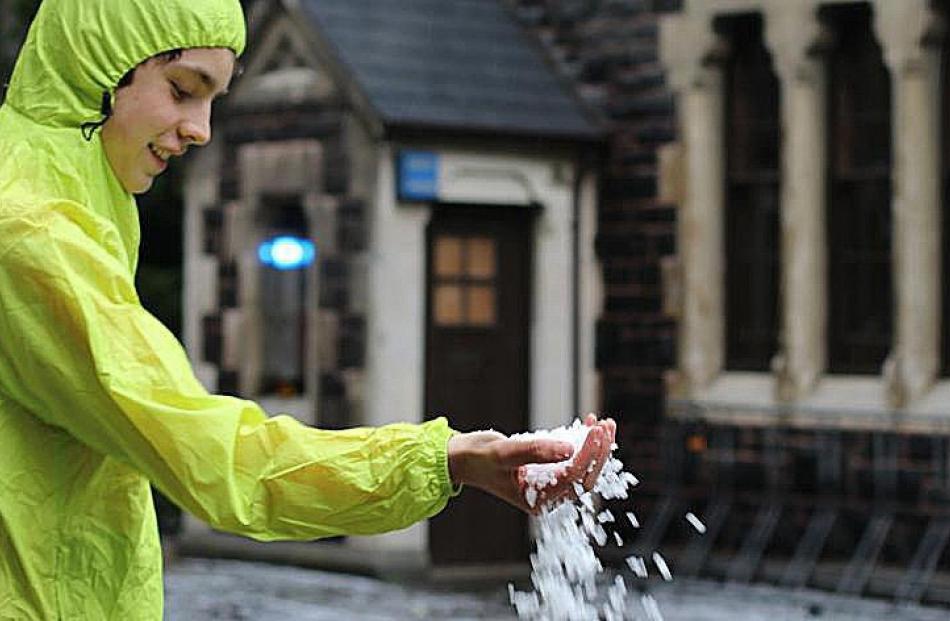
[75,51]
[78,49]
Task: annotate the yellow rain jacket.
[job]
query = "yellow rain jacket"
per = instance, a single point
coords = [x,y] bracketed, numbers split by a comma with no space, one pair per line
[97,398]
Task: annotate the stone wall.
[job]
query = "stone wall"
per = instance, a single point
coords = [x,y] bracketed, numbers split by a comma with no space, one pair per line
[608,52]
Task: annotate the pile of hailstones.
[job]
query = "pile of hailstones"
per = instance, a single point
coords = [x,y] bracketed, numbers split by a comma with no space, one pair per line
[565,568]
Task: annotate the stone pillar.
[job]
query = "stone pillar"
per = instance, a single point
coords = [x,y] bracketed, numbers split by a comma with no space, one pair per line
[791,33]
[687,49]
[903,29]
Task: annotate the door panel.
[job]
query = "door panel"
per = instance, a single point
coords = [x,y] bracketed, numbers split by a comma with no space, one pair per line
[477,361]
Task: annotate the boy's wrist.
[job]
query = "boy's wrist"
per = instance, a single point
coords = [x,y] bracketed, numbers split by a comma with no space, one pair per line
[457,454]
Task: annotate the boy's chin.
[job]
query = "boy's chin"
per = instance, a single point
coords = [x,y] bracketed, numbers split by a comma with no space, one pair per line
[141,186]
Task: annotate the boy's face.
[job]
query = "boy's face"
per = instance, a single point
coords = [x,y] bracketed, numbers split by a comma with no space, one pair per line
[165,109]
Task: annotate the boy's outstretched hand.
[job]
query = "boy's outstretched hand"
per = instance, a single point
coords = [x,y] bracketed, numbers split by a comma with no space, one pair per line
[495,463]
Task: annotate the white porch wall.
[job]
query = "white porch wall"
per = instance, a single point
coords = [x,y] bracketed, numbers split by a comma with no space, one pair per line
[395,326]
[551,323]
[200,271]
[591,300]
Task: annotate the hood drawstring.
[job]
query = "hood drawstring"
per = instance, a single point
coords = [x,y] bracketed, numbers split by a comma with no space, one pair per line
[90,127]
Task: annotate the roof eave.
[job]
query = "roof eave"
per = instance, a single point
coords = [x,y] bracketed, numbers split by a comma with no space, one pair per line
[395,129]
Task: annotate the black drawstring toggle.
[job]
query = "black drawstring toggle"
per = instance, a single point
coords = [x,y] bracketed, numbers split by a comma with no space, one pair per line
[90,127]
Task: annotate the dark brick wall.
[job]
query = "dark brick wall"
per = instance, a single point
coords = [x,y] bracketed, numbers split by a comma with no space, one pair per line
[608,49]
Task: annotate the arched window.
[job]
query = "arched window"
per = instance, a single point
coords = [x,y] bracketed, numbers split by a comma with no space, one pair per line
[752,238]
[859,194]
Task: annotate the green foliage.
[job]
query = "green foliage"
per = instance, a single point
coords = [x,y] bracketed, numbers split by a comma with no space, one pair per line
[159,289]
[15,17]
[159,277]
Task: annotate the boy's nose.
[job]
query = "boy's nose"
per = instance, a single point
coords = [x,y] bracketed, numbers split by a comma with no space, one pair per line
[196,130]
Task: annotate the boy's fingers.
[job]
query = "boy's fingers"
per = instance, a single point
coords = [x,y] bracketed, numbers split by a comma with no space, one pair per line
[586,467]
[590,476]
[589,452]
[517,453]
[600,440]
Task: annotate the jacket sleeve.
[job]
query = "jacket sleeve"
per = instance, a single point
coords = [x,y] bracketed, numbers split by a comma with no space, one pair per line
[78,350]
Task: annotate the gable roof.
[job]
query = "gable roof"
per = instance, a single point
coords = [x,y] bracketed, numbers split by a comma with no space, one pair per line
[449,64]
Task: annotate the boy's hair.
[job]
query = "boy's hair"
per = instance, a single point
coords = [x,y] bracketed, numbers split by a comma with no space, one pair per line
[166,57]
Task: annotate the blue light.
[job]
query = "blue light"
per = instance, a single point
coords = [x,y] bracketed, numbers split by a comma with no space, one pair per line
[287,253]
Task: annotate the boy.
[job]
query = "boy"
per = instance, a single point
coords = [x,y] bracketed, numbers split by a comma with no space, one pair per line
[97,399]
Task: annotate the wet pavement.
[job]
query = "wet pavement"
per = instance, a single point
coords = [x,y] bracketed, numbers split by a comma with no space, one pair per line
[234,590]
[202,590]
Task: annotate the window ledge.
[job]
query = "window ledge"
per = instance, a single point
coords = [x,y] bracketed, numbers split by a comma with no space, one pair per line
[848,394]
[750,389]
[934,404]
[838,402]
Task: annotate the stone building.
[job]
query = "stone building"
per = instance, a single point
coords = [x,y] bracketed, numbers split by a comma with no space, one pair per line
[446,179]
[797,302]
[809,177]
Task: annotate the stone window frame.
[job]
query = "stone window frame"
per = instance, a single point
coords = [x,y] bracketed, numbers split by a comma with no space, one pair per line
[907,394]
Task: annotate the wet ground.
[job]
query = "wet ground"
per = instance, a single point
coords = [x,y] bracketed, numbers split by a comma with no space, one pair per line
[237,591]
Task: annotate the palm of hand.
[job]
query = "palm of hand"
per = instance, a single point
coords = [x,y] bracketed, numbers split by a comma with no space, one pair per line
[495,463]
[584,469]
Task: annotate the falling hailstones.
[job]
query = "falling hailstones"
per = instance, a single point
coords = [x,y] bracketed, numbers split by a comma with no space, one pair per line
[564,566]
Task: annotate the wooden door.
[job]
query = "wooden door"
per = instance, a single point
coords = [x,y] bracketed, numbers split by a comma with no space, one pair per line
[477,361]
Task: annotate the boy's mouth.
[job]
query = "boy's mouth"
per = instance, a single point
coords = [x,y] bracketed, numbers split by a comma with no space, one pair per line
[160,153]
[160,157]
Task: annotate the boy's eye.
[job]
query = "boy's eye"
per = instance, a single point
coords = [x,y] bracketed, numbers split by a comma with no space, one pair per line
[178,92]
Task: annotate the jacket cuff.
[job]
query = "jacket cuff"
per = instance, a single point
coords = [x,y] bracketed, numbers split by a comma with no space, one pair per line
[439,434]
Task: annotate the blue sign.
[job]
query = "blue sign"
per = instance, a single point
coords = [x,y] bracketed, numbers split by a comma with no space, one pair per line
[418,176]
[287,253]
